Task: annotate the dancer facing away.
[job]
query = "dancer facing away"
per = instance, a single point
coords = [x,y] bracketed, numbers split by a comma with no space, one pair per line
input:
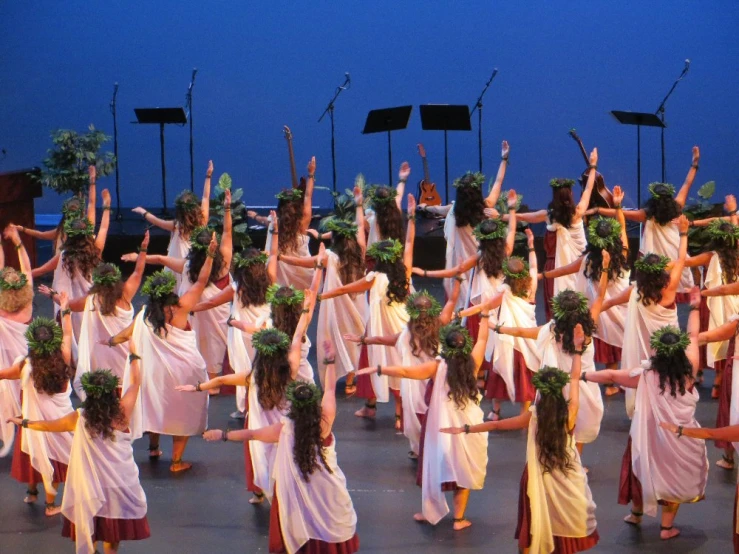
[417,343]
[306,472]
[513,357]
[556,512]
[384,219]
[106,309]
[277,362]
[44,376]
[463,216]
[661,234]
[103,498]
[16,310]
[189,214]
[162,333]
[604,234]
[449,463]
[389,285]
[209,326]
[346,314]
[651,303]
[566,219]
[658,468]
[72,208]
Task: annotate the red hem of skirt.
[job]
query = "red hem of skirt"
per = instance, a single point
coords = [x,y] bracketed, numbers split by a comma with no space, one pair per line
[496,389]
[606,353]
[22,471]
[562,545]
[364,382]
[111,530]
[723,416]
[248,464]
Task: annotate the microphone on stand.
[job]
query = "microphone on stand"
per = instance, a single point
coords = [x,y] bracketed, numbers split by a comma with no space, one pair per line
[192,79]
[347,81]
[115,93]
[687,66]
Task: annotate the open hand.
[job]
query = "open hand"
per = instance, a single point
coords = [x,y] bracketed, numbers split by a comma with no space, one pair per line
[418,271]
[405,171]
[213,435]
[452,430]
[275,220]
[696,155]
[666,425]
[411,205]
[328,350]
[139,210]
[227,199]
[131,257]
[512,199]
[730,203]
[352,338]
[313,233]
[505,149]
[209,171]
[185,388]
[145,242]
[312,166]
[695,297]
[578,337]
[618,195]
[92,171]
[529,237]
[213,246]
[683,224]
[11,234]
[252,214]
[15,421]
[594,157]
[63,301]
[46,291]
[358,198]
[106,198]
[606,258]
[491,213]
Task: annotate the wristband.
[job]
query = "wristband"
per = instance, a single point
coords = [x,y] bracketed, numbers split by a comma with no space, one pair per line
[692,308]
[133,357]
[24,423]
[425,273]
[210,254]
[412,217]
[467,428]
[144,250]
[224,435]
[143,215]
[593,166]
[197,387]
[616,206]
[532,249]
[379,370]
[304,311]
[403,180]
[326,361]
[66,312]
[484,316]
[459,278]
[107,208]
[580,353]
[683,234]
[208,175]
[583,376]
[694,166]
[363,340]
[679,431]
[504,159]
[311,175]
[18,246]
[733,212]
[497,328]
[272,231]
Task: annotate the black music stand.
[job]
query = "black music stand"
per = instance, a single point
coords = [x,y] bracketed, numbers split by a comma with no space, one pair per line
[162,117]
[387,120]
[640,120]
[445,117]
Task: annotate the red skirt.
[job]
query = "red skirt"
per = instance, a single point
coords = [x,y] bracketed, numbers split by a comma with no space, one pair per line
[112,530]
[550,248]
[606,353]
[705,316]
[724,397]
[562,545]
[277,544]
[22,471]
[496,389]
[364,382]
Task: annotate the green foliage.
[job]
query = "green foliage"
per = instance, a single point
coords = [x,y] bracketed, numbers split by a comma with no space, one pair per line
[240,229]
[700,208]
[65,168]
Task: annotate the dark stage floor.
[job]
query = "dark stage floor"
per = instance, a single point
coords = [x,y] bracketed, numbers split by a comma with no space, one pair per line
[207,509]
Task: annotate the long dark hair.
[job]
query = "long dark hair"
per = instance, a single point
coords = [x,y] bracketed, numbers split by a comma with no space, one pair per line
[460,375]
[469,205]
[552,434]
[285,317]
[568,318]
[107,294]
[50,373]
[662,209]
[594,265]
[158,312]
[424,330]
[674,371]
[727,255]
[102,411]
[649,285]
[197,256]
[562,207]
[80,254]
[388,216]
[188,213]
[351,260]
[290,217]
[252,281]
[271,376]
[397,288]
[492,254]
[307,416]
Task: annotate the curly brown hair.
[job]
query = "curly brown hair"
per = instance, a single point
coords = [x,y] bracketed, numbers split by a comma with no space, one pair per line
[662,209]
[469,205]
[14,300]
[519,287]
[197,257]
[594,262]
[351,260]
[102,412]
[50,373]
[460,374]
[727,255]
[290,218]
[188,213]
[564,328]
[424,330]
[308,447]
[397,288]
[649,286]
[492,252]
[252,282]
[285,317]
[388,216]
[552,433]
[562,207]
[107,295]
[271,376]
[79,253]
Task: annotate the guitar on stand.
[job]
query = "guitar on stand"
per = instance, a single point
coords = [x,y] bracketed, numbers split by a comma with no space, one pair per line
[601,197]
[427,193]
[293,172]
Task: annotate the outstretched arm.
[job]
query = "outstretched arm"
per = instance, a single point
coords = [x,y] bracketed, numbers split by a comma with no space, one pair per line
[13,372]
[403,174]
[530,217]
[226,246]
[308,199]
[64,424]
[620,298]
[233,380]
[263,434]
[134,280]
[47,267]
[102,235]
[359,218]
[523,332]
[569,269]
[728,434]
[621,377]
[509,424]
[175,264]
[494,193]
[361,285]
[417,372]
[166,224]
[510,240]
[597,306]
[632,215]
[682,194]
[582,206]
[191,297]
[91,194]
[226,295]
[718,334]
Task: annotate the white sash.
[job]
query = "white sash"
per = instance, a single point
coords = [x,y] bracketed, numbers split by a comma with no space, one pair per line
[13,346]
[460,245]
[320,509]
[462,458]
[75,287]
[102,481]
[179,247]
[665,240]
[299,277]
[571,243]
[412,391]
[720,309]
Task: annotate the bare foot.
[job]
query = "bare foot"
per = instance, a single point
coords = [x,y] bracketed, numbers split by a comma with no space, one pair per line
[155,454]
[725,463]
[350,390]
[398,425]
[412,455]
[178,467]
[459,525]
[611,391]
[669,533]
[31,497]
[52,510]
[257,499]
[366,411]
[493,416]
[419,518]
[632,519]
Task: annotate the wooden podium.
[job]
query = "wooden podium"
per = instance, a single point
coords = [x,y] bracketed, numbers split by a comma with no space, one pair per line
[17,192]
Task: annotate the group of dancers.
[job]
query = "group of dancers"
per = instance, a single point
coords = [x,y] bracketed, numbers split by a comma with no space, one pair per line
[211,307]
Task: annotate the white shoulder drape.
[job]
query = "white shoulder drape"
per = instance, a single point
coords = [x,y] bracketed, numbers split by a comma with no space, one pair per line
[571,243]
[460,245]
[13,346]
[665,240]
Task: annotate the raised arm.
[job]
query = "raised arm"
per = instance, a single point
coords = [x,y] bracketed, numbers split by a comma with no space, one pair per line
[301,329]
[693,351]
[128,401]
[403,174]
[410,237]
[578,339]
[510,240]
[682,195]
[134,280]
[328,403]
[11,234]
[582,206]
[447,313]
[205,202]
[618,199]
[478,351]
[308,198]
[533,265]
[226,246]
[597,306]
[92,194]
[102,235]
[359,219]
[274,251]
[67,331]
[494,193]
[47,267]
[191,297]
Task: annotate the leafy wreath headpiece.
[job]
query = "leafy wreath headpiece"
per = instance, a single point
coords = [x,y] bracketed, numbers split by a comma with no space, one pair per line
[388,251]
[470,179]
[106,274]
[72,206]
[302,394]
[669,340]
[195,236]
[421,302]
[508,272]
[569,301]
[662,190]
[388,197]
[186,201]
[78,227]
[346,229]
[561,182]
[497,229]
[550,381]
[276,295]
[651,263]
[270,342]
[20,280]
[289,195]
[240,261]
[159,285]
[724,231]
[44,336]
[98,390]
[447,350]
[603,231]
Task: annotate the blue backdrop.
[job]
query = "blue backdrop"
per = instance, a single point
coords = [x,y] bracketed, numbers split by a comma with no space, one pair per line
[265,64]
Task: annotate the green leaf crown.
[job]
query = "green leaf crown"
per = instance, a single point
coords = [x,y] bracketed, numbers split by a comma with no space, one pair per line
[491,229]
[388,251]
[186,201]
[243,260]
[44,336]
[17,280]
[603,232]
[289,195]
[284,295]
[651,263]
[470,179]
[550,381]
[72,206]
[669,340]
[508,272]
[159,285]
[79,227]
[107,385]
[560,182]
[502,204]
[723,231]
[448,347]
[421,302]
[661,190]
[270,342]
[302,394]
[372,194]
[346,229]
[569,301]
[106,274]
[198,234]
